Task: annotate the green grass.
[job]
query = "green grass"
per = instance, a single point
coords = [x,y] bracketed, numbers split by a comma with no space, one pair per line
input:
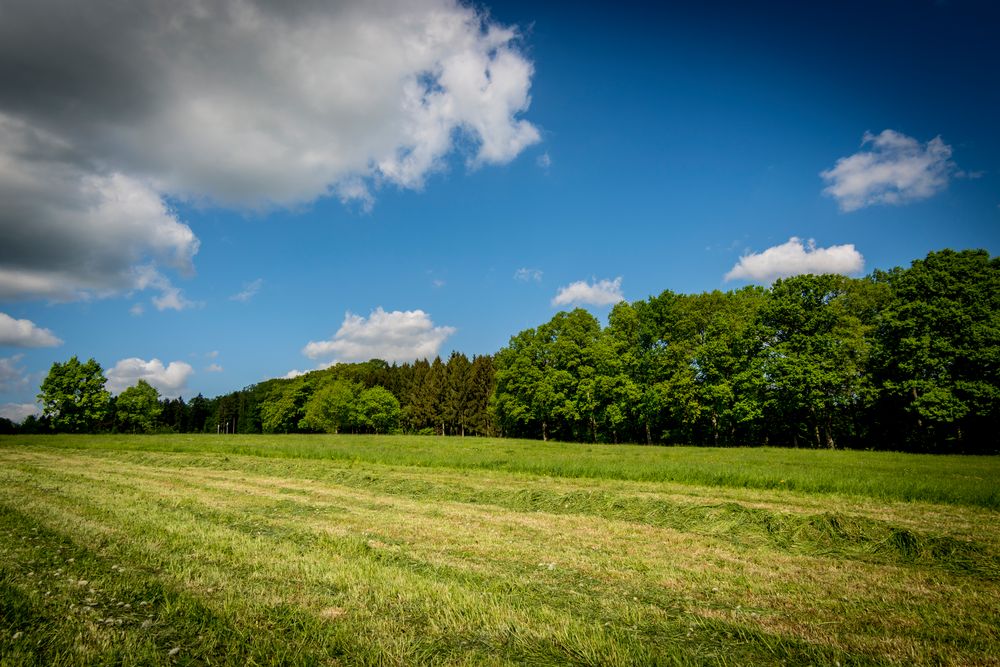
[963,480]
[395,550]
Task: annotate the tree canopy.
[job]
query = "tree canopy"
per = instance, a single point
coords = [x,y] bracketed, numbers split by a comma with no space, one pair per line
[902,359]
[73,396]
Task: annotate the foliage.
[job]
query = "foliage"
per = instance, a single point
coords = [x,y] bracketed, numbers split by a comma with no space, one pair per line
[378,410]
[137,408]
[906,359]
[333,408]
[73,396]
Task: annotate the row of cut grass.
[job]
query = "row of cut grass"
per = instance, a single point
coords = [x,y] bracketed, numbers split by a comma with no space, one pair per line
[962,480]
[311,561]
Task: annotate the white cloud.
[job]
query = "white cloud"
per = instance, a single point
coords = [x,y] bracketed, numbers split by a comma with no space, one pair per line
[73,231]
[11,376]
[527,275]
[214,354]
[258,102]
[292,374]
[25,333]
[896,170]
[250,103]
[170,380]
[598,293]
[137,309]
[213,368]
[170,297]
[544,160]
[438,283]
[393,336]
[18,412]
[249,290]
[795,258]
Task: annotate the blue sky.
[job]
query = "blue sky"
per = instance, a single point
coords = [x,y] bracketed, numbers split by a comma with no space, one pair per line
[287,197]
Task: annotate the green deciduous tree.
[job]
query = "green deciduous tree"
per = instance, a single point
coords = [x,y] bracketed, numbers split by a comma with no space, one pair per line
[137,408]
[818,340]
[378,410]
[333,408]
[73,396]
[938,352]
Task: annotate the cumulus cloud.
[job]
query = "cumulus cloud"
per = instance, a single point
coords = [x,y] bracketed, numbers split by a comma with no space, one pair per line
[895,169]
[598,293]
[242,103]
[260,102]
[526,275]
[71,230]
[249,290]
[170,380]
[18,412]
[399,335]
[25,333]
[795,258]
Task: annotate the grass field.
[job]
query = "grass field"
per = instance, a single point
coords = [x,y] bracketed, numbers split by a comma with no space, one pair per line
[396,550]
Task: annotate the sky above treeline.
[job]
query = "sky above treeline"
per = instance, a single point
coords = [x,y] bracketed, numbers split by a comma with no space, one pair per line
[210,194]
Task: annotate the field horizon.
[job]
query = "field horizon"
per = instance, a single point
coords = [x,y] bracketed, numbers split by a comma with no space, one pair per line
[431,550]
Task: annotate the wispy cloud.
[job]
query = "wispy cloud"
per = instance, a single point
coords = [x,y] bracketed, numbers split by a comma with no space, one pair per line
[795,258]
[895,169]
[528,275]
[392,336]
[597,293]
[249,290]
[170,298]
[213,368]
[25,333]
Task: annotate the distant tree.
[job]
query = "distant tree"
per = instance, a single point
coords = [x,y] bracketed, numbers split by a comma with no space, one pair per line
[456,408]
[938,351]
[378,410]
[137,408]
[73,396]
[199,410]
[7,427]
[481,384]
[426,408]
[818,342]
[332,408]
[284,408]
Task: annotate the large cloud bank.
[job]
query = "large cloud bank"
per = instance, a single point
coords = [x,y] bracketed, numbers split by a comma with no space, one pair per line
[108,107]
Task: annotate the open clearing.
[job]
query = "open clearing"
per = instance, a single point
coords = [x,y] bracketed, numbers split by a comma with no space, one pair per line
[405,550]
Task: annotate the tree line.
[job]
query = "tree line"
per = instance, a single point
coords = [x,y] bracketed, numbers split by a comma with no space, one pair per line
[904,359]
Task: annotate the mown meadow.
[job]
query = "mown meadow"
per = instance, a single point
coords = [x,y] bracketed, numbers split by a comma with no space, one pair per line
[342,550]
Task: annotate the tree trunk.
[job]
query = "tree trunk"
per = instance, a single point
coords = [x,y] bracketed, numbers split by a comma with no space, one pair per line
[649,437]
[545,431]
